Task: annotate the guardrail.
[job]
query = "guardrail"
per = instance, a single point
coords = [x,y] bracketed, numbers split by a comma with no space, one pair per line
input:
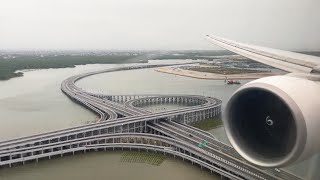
[74,139]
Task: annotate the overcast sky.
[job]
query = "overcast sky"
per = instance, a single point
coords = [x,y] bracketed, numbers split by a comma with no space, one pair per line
[157,24]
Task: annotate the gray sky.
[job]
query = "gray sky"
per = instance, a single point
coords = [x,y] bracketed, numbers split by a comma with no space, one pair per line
[157,24]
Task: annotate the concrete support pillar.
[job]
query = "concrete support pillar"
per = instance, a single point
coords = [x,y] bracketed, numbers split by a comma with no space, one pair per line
[145,126]
[22,158]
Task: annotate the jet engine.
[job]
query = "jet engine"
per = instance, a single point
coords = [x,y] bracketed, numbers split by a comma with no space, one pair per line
[275,121]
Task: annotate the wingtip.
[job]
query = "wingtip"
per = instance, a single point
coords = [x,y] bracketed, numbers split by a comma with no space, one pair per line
[208,37]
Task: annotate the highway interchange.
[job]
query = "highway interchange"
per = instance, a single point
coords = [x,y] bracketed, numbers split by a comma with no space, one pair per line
[124,125]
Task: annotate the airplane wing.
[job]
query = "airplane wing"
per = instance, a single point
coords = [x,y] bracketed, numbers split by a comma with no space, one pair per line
[285,60]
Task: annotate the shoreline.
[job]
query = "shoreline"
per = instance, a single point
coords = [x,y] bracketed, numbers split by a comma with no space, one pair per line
[213,76]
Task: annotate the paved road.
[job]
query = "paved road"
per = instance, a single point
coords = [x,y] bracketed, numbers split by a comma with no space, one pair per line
[117,121]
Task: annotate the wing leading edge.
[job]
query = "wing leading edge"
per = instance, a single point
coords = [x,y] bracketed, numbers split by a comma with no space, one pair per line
[285,60]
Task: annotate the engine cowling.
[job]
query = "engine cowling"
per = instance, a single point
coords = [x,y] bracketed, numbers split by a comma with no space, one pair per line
[274,121]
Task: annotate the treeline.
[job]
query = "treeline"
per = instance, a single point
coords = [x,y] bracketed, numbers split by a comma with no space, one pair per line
[8,67]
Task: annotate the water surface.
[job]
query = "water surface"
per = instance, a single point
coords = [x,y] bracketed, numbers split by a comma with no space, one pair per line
[34,103]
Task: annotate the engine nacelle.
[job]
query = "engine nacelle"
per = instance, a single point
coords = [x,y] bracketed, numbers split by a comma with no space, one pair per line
[275,121]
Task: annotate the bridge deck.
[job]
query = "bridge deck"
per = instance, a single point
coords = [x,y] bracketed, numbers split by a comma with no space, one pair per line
[123,124]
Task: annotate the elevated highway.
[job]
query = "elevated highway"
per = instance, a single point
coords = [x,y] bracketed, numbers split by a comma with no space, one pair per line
[125,125]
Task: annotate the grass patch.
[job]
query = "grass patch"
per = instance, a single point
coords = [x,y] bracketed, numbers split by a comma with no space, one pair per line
[208,124]
[142,157]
